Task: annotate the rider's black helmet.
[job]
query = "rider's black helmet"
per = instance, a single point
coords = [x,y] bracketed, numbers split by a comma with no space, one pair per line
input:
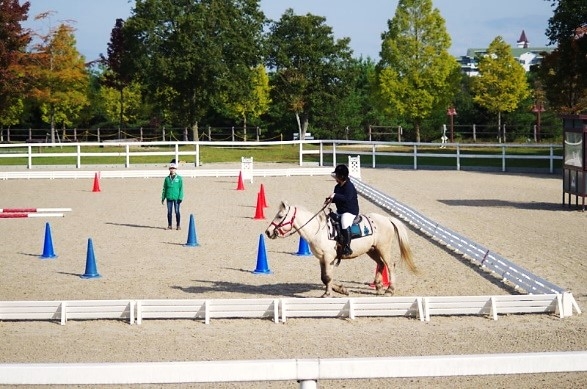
[341,172]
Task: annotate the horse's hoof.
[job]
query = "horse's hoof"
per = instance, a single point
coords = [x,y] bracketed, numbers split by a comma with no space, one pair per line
[326,295]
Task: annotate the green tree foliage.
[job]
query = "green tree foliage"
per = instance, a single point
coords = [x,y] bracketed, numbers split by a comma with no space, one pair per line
[310,69]
[501,84]
[564,71]
[117,111]
[60,78]
[117,75]
[255,104]
[416,73]
[190,54]
[13,42]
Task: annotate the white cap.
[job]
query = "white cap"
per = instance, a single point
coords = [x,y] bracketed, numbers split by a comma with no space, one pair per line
[173,166]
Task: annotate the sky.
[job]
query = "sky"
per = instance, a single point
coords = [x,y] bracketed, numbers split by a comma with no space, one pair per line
[470,23]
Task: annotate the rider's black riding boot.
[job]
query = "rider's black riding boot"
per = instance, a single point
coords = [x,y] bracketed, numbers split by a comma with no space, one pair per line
[346,247]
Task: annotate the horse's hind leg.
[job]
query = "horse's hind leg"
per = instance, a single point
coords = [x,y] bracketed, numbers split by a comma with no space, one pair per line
[378,280]
[383,262]
[391,288]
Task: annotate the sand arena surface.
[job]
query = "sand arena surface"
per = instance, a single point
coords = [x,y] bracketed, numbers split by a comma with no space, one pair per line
[519,216]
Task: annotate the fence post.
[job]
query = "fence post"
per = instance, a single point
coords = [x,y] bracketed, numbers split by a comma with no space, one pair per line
[474,133]
[258,133]
[98,131]
[534,131]
[163,134]
[141,133]
[369,133]
[399,133]
[185,134]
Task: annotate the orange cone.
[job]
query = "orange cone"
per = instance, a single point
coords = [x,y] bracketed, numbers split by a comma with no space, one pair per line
[262,193]
[96,183]
[384,276]
[259,211]
[240,185]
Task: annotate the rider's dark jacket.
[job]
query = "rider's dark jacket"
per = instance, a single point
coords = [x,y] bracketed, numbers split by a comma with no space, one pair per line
[345,198]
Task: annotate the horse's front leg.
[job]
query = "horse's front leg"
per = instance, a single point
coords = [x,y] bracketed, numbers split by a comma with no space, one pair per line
[326,276]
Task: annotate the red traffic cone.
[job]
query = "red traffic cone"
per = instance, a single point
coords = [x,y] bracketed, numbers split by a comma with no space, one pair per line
[240,185]
[96,183]
[384,276]
[259,211]
[262,194]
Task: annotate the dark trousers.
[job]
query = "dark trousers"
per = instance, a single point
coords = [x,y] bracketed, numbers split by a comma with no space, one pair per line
[171,205]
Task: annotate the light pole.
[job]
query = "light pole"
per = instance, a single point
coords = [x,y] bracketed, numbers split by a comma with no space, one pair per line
[451,111]
[538,108]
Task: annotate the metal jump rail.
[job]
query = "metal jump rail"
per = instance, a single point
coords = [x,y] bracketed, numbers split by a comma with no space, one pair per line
[477,253]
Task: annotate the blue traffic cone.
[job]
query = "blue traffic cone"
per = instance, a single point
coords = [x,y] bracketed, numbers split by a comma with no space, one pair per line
[262,266]
[48,252]
[91,271]
[192,238]
[303,249]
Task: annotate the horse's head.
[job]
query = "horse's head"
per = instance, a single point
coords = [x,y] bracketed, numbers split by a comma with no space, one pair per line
[282,223]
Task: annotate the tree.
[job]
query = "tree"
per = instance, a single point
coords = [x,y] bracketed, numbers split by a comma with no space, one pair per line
[501,84]
[416,74]
[255,104]
[194,53]
[115,110]
[118,75]
[13,43]
[564,70]
[310,68]
[60,79]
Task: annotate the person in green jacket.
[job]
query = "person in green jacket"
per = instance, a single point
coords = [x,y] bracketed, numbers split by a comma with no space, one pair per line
[173,193]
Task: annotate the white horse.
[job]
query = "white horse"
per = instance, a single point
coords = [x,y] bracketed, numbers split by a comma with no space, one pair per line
[316,229]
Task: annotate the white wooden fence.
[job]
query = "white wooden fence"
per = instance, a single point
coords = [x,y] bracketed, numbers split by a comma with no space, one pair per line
[306,371]
[321,150]
[421,308]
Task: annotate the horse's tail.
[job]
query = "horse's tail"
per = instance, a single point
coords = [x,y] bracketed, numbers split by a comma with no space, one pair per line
[404,246]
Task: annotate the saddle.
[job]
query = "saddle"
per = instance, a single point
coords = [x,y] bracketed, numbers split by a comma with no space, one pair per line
[361,227]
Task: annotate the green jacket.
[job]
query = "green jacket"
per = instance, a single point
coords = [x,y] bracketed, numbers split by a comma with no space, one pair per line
[172,188]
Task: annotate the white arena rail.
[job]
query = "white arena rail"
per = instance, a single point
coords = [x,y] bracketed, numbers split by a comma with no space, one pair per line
[306,371]
[421,308]
[160,173]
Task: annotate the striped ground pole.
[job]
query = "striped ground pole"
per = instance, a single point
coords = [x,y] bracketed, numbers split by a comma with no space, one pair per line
[30,210]
[16,215]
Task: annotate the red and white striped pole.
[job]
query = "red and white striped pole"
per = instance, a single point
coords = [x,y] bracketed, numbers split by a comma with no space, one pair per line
[15,215]
[31,210]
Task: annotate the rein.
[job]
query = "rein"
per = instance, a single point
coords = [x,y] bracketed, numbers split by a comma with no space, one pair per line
[293,229]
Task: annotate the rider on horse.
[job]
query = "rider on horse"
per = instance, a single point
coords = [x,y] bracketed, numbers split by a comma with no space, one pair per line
[347,204]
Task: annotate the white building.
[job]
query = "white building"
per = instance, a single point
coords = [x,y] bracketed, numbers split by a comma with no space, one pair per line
[527,56]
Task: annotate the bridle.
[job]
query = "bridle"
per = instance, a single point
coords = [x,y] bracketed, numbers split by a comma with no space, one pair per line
[279,227]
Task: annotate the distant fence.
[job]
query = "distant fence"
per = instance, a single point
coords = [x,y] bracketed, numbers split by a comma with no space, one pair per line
[500,157]
[142,134]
